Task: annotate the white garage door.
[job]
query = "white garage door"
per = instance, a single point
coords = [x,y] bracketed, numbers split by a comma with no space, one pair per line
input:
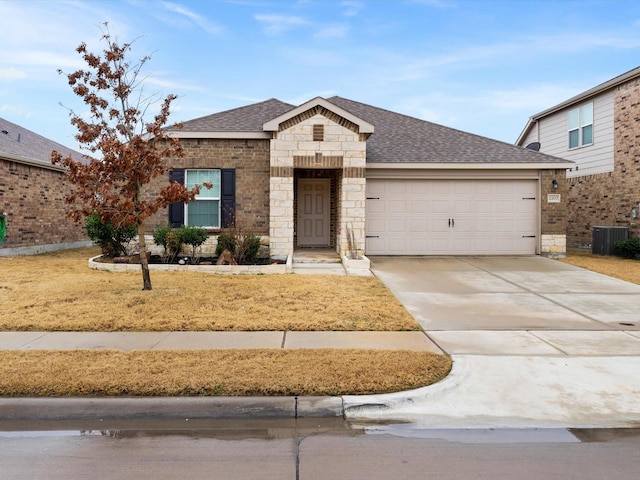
[451,217]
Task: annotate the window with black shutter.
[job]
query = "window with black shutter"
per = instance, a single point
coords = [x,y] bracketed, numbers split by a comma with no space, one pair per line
[212,208]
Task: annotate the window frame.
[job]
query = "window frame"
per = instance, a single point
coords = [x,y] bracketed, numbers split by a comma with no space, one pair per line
[201,198]
[578,124]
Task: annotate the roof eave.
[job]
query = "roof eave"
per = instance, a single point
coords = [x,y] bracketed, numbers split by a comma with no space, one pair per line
[220,135]
[592,92]
[28,161]
[471,165]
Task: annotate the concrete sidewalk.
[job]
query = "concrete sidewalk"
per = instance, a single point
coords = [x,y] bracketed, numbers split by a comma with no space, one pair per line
[534,343]
[127,341]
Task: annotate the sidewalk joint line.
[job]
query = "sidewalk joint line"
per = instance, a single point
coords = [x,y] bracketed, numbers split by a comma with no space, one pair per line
[532,332]
[160,340]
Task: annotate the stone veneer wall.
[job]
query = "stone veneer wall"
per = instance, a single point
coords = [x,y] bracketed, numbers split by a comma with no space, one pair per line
[293,147]
[249,158]
[607,199]
[34,199]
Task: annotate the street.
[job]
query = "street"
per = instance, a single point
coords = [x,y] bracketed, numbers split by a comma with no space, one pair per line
[308,449]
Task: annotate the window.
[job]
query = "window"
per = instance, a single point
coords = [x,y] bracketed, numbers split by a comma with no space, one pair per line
[204,211]
[580,122]
[212,208]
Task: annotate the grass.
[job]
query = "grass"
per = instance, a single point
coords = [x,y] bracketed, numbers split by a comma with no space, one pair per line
[216,372]
[622,268]
[58,292]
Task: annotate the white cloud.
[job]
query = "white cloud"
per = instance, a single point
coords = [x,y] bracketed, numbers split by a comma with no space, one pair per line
[352,7]
[276,24]
[332,31]
[11,74]
[17,111]
[191,18]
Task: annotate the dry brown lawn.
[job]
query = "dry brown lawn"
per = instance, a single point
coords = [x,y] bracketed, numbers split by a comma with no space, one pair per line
[221,372]
[622,268]
[58,292]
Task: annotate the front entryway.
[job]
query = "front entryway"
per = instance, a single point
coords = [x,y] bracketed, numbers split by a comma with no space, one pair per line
[314,212]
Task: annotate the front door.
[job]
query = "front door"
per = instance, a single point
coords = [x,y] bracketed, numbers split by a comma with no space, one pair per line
[314,212]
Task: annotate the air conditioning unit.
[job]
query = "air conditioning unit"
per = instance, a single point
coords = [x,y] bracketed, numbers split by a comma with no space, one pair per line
[605,238]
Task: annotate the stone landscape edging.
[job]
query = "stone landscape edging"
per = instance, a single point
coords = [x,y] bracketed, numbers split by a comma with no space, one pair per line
[219,269]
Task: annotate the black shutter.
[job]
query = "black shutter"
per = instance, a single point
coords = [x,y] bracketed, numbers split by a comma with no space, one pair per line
[176,210]
[228,197]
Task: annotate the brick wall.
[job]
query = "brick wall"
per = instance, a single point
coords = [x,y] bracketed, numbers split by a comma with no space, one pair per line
[608,198]
[34,199]
[553,215]
[249,158]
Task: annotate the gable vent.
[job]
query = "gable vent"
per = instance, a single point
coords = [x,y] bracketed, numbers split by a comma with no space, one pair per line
[318,133]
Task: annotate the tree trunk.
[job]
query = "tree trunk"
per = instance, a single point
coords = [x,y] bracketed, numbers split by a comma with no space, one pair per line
[144,261]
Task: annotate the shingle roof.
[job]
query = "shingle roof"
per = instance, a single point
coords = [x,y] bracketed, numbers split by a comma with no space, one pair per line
[249,118]
[20,142]
[399,138]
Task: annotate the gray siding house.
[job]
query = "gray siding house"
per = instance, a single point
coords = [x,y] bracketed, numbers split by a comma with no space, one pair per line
[598,130]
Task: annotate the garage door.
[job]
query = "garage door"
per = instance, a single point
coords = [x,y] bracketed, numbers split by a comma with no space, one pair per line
[451,217]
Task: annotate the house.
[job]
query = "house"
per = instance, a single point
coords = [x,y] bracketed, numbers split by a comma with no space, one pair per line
[32,193]
[335,173]
[599,130]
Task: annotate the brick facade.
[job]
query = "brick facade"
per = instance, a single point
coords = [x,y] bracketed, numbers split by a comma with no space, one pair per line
[608,198]
[34,199]
[249,158]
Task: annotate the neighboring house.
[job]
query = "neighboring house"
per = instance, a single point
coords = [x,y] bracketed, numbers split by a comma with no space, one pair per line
[599,130]
[32,193]
[339,174]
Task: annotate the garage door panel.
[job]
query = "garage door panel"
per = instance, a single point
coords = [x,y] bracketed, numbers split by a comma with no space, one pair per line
[420,206]
[405,217]
[440,206]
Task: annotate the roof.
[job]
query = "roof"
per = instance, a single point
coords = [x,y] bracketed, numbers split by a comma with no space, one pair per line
[396,138]
[249,118]
[18,143]
[586,95]
[400,138]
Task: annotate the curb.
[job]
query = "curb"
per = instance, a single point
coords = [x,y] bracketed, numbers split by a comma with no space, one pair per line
[72,408]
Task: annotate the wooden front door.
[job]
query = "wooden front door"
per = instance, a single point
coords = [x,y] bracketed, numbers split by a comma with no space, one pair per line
[314,212]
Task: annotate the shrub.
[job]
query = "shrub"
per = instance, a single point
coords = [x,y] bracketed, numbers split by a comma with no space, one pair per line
[629,248]
[226,241]
[111,240]
[194,237]
[174,245]
[161,237]
[247,249]
[243,246]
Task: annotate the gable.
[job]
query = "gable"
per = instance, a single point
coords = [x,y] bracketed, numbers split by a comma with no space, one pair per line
[322,106]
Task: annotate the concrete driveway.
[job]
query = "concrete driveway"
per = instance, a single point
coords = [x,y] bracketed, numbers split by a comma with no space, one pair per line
[508,293]
[534,343]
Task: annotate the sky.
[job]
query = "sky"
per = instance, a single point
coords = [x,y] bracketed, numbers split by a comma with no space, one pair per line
[481,66]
